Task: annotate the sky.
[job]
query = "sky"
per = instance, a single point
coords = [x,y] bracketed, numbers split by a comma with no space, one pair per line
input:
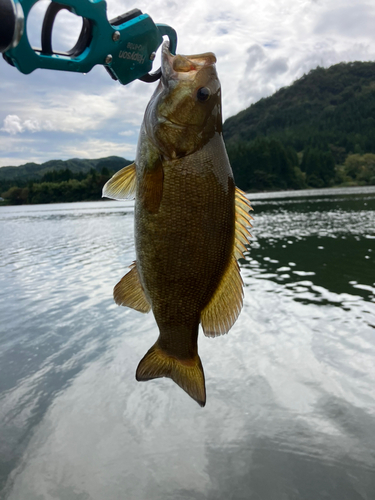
[260,45]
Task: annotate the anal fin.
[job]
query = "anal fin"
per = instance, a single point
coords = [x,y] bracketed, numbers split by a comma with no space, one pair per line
[129,292]
[122,185]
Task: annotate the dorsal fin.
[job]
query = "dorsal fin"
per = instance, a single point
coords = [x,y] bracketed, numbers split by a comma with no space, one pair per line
[122,185]
[225,305]
[129,292]
[243,219]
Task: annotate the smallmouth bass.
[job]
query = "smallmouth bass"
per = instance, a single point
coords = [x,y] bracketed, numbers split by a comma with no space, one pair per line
[190,221]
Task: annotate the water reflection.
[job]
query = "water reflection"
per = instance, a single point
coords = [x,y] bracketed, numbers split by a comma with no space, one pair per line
[328,268]
[290,409]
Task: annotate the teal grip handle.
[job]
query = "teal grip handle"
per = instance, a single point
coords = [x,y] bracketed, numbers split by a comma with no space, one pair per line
[126,49]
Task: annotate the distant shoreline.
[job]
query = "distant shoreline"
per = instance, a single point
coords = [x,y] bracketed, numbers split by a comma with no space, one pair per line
[254,195]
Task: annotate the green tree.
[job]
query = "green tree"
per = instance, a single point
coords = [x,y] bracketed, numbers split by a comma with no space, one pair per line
[16,195]
[264,164]
[319,167]
[360,168]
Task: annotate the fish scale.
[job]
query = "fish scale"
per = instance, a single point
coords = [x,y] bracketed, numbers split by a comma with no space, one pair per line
[194,258]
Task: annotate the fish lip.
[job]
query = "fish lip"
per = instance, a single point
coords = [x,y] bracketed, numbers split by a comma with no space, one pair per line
[198,62]
[164,119]
[173,124]
[167,62]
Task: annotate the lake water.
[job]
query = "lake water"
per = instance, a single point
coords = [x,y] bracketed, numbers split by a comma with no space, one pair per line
[290,408]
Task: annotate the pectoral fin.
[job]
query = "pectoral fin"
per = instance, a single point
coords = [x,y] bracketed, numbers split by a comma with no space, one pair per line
[129,292]
[122,185]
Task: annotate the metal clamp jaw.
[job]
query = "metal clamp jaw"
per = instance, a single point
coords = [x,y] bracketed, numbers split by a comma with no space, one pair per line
[126,45]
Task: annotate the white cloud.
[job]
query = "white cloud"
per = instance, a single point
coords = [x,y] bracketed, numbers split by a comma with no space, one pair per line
[277,66]
[355,20]
[72,111]
[256,55]
[6,161]
[18,149]
[75,111]
[261,46]
[96,148]
[127,132]
[14,125]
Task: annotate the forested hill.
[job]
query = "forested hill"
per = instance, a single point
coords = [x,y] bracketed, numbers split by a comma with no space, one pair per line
[36,171]
[319,131]
[58,181]
[325,117]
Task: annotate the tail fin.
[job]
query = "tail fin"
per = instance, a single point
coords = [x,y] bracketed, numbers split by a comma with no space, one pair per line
[188,374]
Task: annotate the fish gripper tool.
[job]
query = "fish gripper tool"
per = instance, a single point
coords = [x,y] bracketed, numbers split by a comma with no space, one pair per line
[125,46]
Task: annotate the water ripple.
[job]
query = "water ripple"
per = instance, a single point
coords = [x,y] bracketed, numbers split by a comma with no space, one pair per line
[290,388]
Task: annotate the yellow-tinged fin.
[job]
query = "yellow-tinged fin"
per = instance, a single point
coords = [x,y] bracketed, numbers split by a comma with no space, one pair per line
[239,250]
[122,185]
[243,219]
[225,305]
[241,198]
[188,374]
[129,292]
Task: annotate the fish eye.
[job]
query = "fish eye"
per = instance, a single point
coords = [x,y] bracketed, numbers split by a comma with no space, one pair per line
[203,94]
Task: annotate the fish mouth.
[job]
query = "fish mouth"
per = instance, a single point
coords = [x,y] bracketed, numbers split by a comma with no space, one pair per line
[184,67]
[164,120]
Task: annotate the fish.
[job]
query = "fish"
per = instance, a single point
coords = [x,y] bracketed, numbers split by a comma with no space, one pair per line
[190,221]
